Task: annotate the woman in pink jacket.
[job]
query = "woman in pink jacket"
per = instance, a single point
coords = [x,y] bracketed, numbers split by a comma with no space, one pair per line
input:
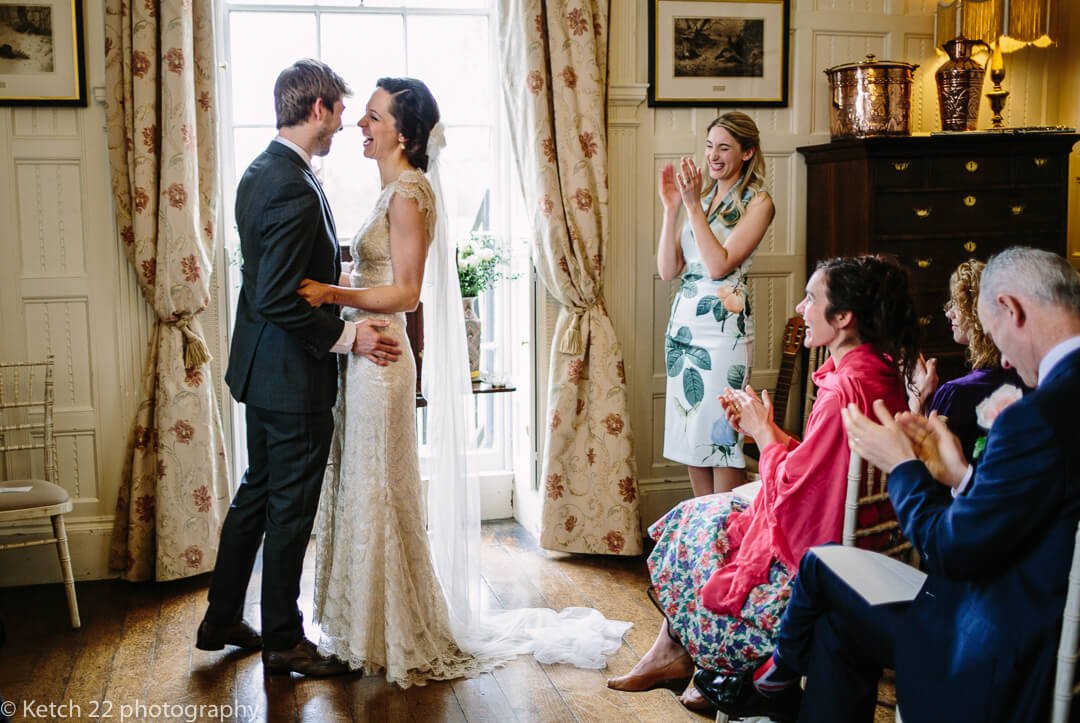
[722,568]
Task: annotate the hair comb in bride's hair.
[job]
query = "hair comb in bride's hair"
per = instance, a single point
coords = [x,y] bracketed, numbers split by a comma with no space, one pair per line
[436,141]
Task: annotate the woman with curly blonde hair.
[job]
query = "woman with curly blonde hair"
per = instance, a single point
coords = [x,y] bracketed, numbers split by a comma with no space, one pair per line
[956,400]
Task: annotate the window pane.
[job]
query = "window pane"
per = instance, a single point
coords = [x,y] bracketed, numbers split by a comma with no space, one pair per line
[457,69]
[412,4]
[351,181]
[362,49]
[248,143]
[466,166]
[261,46]
[441,4]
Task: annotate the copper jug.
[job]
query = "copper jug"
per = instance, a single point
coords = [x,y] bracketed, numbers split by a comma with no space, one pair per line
[959,84]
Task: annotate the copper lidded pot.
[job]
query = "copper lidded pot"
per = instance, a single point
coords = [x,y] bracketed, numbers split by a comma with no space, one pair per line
[870,98]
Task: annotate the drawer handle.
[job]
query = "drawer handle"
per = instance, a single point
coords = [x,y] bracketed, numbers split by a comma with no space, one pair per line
[971,166]
[1040,162]
[901,166]
[970,247]
[924,263]
[1017,210]
[922,212]
[925,320]
[969,201]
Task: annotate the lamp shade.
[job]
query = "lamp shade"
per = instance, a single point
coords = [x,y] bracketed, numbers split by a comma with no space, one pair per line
[1006,25]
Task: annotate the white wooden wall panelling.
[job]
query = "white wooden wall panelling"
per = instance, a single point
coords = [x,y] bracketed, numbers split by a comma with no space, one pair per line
[68,290]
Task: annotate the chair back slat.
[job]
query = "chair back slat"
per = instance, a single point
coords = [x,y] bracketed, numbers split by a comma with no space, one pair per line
[851,499]
[869,519]
[26,420]
[1064,679]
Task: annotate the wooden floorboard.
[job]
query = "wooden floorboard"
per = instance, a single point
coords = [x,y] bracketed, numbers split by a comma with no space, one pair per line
[137,647]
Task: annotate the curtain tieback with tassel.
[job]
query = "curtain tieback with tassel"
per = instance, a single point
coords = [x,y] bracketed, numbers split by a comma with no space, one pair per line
[196,353]
[571,338]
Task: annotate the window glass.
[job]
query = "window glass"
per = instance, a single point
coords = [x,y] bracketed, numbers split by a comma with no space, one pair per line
[261,45]
[457,68]
[363,48]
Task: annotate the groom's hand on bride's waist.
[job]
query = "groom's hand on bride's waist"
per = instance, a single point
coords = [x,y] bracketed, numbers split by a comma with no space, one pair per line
[370,342]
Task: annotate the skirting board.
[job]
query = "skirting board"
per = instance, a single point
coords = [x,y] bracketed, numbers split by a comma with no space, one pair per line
[88,541]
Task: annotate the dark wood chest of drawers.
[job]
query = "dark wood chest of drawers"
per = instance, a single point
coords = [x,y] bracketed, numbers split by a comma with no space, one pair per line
[934,201]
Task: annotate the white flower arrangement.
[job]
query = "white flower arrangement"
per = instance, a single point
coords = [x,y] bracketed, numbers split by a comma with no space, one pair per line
[480,263]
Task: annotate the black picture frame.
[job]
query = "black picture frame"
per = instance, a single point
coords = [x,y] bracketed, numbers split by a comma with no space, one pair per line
[718,53]
[42,53]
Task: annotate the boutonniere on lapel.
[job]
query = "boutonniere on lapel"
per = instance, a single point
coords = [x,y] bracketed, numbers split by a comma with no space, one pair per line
[989,409]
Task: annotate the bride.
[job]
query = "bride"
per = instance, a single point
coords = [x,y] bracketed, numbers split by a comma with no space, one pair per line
[387,599]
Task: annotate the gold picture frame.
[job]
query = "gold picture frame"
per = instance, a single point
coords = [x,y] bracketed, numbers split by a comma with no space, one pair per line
[718,53]
[42,59]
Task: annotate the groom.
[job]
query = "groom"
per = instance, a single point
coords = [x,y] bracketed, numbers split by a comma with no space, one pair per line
[283,367]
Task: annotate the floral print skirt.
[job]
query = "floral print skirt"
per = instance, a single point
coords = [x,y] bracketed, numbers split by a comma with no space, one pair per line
[691,543]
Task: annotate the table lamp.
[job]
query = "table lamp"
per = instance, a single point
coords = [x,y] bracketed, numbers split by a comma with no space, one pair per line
[1004,26]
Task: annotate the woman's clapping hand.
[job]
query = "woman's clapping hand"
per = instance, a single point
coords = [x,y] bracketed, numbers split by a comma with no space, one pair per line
[666,188]
[689,182]
[748,414]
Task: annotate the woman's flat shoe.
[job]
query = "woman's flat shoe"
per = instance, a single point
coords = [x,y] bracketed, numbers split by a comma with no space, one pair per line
[676,671]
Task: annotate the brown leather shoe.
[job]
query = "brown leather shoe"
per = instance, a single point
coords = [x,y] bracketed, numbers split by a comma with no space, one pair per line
[303,659]
[216,637]
[675,674]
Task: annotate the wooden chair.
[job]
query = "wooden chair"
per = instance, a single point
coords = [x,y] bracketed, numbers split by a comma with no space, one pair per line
[869,519]
[29,490]
[1065,687]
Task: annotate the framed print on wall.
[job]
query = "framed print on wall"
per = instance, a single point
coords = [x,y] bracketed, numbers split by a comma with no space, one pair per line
[718,52]
[41,53]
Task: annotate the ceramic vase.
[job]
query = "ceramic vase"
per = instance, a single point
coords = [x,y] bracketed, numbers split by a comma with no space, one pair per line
[472,334]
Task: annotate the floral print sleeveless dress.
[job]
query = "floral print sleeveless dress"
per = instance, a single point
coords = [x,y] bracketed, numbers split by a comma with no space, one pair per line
[708,347]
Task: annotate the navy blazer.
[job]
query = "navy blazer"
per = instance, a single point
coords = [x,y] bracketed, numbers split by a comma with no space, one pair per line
[981,637]
[280,357]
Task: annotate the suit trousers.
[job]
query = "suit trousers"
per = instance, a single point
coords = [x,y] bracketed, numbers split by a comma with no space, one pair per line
[275,505]
[830,634]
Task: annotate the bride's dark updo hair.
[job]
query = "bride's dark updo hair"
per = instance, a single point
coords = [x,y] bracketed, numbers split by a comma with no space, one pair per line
[415,112]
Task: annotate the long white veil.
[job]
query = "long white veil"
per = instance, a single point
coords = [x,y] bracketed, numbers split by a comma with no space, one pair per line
[580,636]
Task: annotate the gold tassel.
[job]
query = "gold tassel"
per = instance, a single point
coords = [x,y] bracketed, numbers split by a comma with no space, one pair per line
[196,353]
[571,338]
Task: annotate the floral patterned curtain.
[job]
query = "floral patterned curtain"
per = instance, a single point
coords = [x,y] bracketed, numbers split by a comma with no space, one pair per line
[559,49]
[159,64]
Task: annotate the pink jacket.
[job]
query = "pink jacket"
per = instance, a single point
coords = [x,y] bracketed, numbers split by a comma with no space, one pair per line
[801,502]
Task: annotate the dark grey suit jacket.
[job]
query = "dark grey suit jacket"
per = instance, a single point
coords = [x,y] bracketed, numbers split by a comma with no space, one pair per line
[280,357]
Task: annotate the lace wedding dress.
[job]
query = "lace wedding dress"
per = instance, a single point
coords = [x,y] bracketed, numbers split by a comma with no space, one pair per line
[377,600]
[387,596]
